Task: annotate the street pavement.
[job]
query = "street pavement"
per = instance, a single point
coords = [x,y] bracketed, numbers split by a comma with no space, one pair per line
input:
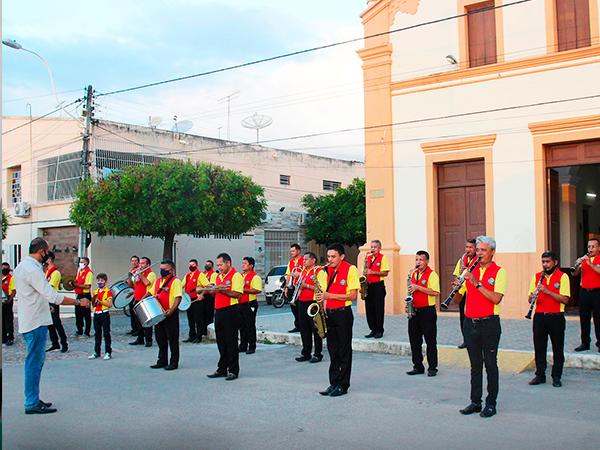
[123,404]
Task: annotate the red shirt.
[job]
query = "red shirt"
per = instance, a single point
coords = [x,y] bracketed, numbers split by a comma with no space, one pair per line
[374,261]
[6,284]
[247,281]
[221,300]
[476,304]
[421,299]
[164,296]
[81,275]
[337,282]
[545,303]
[102,296]
[589,278]
[190,283]
[296,263]
[140,289]
[308,295]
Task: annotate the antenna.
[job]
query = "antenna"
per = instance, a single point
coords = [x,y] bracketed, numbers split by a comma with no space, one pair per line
[228,99]
[257,122]
[155,121]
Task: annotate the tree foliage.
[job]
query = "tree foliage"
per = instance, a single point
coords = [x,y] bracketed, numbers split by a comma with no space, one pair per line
[170,198]
[5,224]
[338,217]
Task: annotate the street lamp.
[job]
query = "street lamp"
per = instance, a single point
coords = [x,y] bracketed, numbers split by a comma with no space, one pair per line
[14,44]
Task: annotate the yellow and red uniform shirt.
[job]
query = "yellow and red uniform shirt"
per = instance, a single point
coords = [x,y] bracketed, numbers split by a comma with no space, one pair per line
[235,282]
[103,295]
[211,276]
[378,263]
[191,282]
[463,262]
[296,263]
[8,284]
[427,279]
[85,276]
[308,277]
[251,281]
[139,288]
[53,276]
[558,283]
[170,288]
[494,279]
[589,278]
[341,280]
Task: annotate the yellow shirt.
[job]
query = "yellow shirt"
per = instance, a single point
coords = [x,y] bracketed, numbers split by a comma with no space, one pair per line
[107,295]
[175,291]
[11,284]
[256,283]
[565,287]
[55,280]
[499,285]
[89,279]
[384,267]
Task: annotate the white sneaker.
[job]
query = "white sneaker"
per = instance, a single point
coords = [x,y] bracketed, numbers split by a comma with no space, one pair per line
[107,356]
[93,356]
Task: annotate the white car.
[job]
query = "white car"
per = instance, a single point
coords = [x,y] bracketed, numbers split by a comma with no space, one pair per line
[273,282]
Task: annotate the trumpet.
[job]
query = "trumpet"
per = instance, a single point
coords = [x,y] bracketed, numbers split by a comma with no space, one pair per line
[410,307]
[577,264]
[535,295]
[461,280]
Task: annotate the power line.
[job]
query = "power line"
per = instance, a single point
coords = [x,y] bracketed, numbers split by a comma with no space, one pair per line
[41,117]
[313,49]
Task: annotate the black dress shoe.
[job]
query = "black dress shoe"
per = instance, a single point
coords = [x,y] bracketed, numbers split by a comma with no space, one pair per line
[242,350]
[65,349]
[216,375]
[556,382]
[339,390]
[293,330]
[488,411]
[137,342]
[40,409]
[148,344]
[378,336]
[415,372]
[8,344]
[432,372]
[463,345]
[53,348]
[157,366]
[537,380]
[46,404]
[170,367]
[472,408]
[231,377]
[303,358]
[582,348]
[196,341]
[370,335]
[187,340]
[329,390]
[131,333]
[250,351]
[316,359]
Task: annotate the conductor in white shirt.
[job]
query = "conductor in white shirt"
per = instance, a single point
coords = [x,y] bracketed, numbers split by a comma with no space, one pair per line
[34,293]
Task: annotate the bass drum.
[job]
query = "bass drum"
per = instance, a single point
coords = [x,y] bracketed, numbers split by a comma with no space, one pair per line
[186,301]
[119,292]
[149,311]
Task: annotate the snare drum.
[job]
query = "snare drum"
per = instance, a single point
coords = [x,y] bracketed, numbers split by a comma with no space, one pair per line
[149,311]
[186,301]
[119,292]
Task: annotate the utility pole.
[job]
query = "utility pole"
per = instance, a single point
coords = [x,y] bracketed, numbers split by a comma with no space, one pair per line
[85,157]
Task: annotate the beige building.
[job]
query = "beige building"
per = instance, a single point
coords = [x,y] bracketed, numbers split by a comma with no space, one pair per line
[482,118]
[42,165]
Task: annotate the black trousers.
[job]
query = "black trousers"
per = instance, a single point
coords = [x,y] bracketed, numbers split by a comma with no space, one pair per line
[102,327]
[56,329]
[195,320]
[375,306]
[83,313]
[226,329]
[8,322]
[461,313]
[248,325]
[423,325]
[589,306]
[143,334]
[135,323]
[482,339]
[545,325]
[208,312]
[167,337]
[293,307]
[308,331]
[339,345]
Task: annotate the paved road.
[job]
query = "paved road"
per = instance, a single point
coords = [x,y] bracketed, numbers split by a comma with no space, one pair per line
[122,404]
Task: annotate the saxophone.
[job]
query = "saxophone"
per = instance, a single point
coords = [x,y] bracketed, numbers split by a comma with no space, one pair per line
[410,308]
[363,279]
[316,310]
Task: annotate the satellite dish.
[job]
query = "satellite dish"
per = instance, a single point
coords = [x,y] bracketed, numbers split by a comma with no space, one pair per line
[182,127]
[257,122]
[154,121]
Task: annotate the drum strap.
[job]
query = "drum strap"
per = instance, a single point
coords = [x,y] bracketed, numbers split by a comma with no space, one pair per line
[165,284]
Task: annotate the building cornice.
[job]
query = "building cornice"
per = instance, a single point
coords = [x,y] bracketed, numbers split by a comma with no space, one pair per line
[564,125]
[468,143]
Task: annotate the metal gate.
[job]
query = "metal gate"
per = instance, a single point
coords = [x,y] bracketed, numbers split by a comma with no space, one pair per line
[277,247]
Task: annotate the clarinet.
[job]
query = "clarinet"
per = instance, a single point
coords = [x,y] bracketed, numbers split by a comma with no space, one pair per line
[461,280]
[578,263]
[535,295]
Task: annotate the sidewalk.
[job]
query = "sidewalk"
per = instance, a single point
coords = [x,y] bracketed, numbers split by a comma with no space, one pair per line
[516,343]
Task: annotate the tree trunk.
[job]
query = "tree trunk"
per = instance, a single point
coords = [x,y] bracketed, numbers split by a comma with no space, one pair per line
[168,248]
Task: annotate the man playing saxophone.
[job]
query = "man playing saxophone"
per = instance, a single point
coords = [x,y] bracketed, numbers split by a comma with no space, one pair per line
[377,268]
[306,297]
[339,293]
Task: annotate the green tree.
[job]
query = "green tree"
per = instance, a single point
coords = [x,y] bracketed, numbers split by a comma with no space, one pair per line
[170,198]
[338,217]
[5,224]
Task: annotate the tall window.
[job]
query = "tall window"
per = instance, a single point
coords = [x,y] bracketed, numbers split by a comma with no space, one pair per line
[573,24]
[15,184]
[481,32]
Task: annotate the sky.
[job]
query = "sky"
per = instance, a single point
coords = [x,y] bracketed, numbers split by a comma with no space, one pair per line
[113,45]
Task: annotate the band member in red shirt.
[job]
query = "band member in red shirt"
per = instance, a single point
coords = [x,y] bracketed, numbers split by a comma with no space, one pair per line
[589,294]
[293,272]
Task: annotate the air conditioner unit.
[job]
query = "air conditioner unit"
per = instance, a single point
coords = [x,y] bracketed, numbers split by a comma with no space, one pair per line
[304,218]
[267,217]
[22,209]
